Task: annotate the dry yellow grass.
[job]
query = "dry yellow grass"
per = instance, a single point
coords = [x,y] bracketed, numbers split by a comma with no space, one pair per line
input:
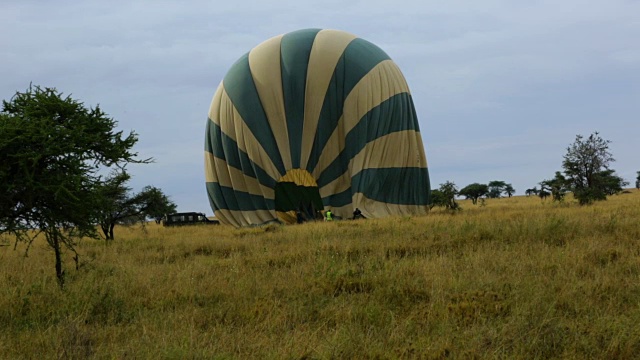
[517,278]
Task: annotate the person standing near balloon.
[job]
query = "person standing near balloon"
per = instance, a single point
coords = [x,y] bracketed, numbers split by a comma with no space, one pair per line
[328,215]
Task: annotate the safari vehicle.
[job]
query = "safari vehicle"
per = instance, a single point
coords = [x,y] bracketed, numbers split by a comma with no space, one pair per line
[187,218]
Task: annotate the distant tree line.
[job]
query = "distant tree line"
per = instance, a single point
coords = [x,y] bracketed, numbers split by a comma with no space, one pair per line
[445,195]
[586,173]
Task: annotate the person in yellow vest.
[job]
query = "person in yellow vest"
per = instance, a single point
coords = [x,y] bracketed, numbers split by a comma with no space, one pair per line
[328,215]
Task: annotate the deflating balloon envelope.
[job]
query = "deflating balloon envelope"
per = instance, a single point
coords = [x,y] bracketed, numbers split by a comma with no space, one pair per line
[309,121]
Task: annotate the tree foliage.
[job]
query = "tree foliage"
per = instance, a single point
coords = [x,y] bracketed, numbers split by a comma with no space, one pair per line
[474,192]
[509,190]
[610,183]
[120,206]
[499,187]
[495,188]
[449,191]
[532,191]
[586,168]
[437,199]
[154,204]
[557,187]
[52,151]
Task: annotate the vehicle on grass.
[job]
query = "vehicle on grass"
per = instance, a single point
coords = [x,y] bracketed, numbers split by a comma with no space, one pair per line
[187,218]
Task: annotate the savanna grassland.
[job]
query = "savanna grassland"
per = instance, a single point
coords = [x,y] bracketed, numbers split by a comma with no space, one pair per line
[517,278]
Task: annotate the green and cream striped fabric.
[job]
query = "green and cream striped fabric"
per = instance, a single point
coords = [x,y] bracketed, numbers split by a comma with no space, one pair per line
[309,121]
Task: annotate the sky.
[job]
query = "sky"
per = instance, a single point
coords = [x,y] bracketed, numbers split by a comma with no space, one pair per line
[501,88]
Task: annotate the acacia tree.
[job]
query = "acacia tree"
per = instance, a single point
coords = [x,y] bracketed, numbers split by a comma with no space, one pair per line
[113,195]
[120,206]
[154,203]
[52,150]
[509,190]
[638,181]
[495,188]
[437,198]
[498,187]
[532,191]
[449,190]
[586,168]
[474,191]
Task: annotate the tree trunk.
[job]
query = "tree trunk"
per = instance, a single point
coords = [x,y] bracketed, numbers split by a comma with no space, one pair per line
[58,252]
[107,230]
[110,237]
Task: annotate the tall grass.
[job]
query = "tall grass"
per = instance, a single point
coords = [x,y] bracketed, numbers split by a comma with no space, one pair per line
[517,278]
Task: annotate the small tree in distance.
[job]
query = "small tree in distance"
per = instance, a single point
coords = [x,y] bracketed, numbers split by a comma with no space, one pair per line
[532,191]
[499,187]
[509,190]
[474,192]
[437,199]
[557,187]
[586,168]
[449,191]
[120,206]
[495,188]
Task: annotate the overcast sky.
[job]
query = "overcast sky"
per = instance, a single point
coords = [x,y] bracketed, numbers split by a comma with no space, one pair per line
[501,88]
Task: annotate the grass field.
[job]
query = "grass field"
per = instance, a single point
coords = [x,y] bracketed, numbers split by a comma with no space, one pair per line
[515,279]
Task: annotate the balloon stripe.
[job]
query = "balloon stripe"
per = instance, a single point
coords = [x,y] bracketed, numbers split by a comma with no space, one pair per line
[398,149]
[388,185]
[327,49]
[218,170]
[359,57]
[295,50]
[264,61]
[227,149]
[235,128]
[338,199]
[375,209]
[239,85]
[238,200]
[394,185]
[247,218]
[381,83]
[393,114]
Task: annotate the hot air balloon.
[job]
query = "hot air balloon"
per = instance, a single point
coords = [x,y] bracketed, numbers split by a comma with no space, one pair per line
[309,121]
